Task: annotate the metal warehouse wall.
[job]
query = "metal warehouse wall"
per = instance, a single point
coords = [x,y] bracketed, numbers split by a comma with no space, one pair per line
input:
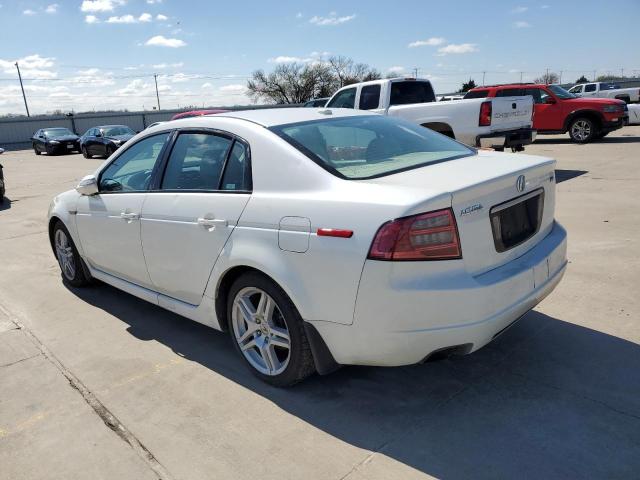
[16,133]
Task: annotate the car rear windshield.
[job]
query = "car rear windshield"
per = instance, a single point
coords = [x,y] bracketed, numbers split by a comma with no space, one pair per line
[406,93]
[363,147]
[477,94]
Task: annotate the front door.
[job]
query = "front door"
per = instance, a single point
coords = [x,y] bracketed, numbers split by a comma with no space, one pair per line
[547,116]
[187,221]
[108,223]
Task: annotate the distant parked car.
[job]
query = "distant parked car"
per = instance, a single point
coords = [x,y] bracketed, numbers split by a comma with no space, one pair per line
[104,140]
[153,124]
[634,114]
[196,113]
[606,90]
[316,102]
[1,181]
[55,140]
[449,98]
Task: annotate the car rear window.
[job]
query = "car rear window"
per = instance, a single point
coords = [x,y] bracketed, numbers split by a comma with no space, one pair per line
[477,94]
[405,93]
[363,147]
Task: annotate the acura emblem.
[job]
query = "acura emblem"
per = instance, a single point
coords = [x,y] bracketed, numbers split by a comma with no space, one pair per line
[520,183]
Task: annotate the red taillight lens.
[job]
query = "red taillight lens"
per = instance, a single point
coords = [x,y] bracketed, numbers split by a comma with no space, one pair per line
[485,114]
[428,236]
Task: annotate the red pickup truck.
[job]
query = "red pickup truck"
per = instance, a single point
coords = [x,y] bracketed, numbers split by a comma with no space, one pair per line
[558,111]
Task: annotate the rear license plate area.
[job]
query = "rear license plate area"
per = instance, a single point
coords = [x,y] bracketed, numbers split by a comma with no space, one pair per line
[515,221]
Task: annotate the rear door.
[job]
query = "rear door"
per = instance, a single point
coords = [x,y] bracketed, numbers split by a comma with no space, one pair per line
[191,212]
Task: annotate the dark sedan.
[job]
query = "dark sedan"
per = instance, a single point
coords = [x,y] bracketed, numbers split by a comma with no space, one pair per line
[55,140]
[104,140]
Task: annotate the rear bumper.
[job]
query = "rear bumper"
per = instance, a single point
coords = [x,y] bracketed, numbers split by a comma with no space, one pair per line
[510,138]
[401,319]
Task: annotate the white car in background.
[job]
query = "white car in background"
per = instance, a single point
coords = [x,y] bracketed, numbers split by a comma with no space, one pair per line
[606,90]
[318,238]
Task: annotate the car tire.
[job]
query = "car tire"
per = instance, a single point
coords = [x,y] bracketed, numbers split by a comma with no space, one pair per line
[85,153]
[582,130]
[36,151]
[267,331]
[71,265]
[109,151]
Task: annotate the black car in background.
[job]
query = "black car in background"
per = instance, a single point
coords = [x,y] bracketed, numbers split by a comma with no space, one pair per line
[1,180]
[55,140]
[104,140]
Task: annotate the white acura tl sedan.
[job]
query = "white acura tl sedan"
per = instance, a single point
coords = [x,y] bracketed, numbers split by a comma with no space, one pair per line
[318,238]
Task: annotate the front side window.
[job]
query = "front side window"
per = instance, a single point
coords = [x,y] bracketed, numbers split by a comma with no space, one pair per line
[576,89]
[405,93]
[344,99]
[370,146]
[369,97]
[131,170]
[560,92]
[196,162]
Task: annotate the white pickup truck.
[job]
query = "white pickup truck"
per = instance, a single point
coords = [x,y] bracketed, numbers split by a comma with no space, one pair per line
[606,90]
[482,122]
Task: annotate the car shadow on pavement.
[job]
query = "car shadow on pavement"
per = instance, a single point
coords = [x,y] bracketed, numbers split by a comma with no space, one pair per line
[564,175]
[5,204]
[567,140]
[547,399]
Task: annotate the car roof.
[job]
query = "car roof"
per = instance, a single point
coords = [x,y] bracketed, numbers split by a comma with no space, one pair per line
[509,85]
[269,117]
[107,126]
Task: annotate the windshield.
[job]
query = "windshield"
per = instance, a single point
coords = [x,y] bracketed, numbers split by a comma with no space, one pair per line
[118,130]
[370,146]
[57,132]
[560,92]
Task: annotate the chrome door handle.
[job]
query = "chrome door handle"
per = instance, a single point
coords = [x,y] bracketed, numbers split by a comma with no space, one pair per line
[212,222]
[129,216]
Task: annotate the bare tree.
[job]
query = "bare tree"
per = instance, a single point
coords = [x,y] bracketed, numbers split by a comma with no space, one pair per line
[299,82]
[548,78]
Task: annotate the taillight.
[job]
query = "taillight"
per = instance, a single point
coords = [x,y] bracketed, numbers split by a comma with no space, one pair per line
[485,114]
[427,236]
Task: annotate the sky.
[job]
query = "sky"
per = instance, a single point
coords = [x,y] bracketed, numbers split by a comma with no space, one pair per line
[93,54]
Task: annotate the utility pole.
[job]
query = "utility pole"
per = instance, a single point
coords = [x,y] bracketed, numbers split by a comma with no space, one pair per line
[483,74]
[415,72]
[560,79]
[594,76]
[155,78]
[22,87]
[521,77]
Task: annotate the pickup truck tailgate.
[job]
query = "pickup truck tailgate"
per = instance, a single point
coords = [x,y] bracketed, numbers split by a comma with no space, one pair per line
[511,112]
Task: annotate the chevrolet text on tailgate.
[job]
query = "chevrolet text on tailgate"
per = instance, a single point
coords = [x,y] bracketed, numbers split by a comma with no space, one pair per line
[318,238]
[496,122]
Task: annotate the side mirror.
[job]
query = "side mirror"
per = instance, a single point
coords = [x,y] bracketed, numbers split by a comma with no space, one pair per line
[549,100]
[99,134]
[88,185]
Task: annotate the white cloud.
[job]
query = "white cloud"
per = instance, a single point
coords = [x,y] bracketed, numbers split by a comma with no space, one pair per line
[153,2]
[458,48]
[331,19]
[28,11]
[519,9]
[161,41]
[544,6]
[100,5]
[53,8]
[285,59]
[430,42]
[206,85]
[521,24]
[161,18]
[396,70]
[122,19]
[162,66]
[91,19]
[145,17]
[236,88]
[299,15]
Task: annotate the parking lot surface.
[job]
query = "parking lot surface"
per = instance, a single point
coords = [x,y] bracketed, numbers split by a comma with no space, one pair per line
[95,383]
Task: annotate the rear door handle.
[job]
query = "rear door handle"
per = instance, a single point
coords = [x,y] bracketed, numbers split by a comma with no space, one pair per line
[211,222]
[129,216]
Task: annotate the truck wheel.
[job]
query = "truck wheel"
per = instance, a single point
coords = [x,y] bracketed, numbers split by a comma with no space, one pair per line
[582,130]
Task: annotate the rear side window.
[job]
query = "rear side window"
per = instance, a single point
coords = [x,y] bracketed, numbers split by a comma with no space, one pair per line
[344,99]
[590,88]
[237,173]
[536,93]
[369,97]
[509,92]
[404,93]
[196,162]
[477,94]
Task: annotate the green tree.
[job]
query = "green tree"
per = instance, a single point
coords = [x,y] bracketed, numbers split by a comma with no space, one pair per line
[466,86]
[582,79]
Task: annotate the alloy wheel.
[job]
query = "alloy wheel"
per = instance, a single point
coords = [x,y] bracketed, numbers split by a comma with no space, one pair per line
[261,331]
[64,252]
[581,130]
